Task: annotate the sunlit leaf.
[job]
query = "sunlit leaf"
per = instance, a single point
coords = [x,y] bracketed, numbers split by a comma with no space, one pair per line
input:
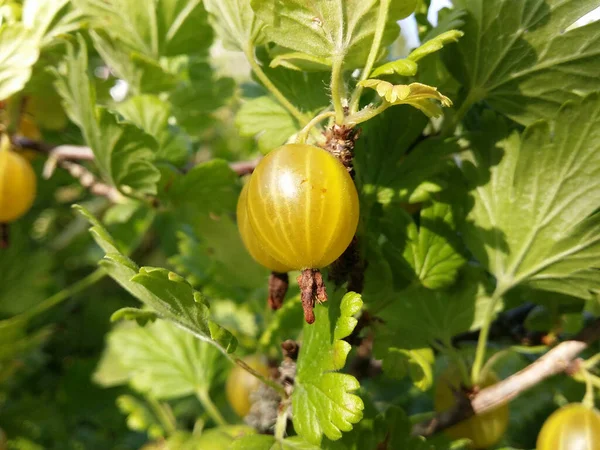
[536,197]
[520,58]
[322,30]
[322,400]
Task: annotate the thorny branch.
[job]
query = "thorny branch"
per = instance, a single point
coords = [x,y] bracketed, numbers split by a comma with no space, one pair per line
[560,359]
[82,153]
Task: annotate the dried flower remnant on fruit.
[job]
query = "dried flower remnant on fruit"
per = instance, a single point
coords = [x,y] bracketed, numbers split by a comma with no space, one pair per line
[278,286]
[312,290]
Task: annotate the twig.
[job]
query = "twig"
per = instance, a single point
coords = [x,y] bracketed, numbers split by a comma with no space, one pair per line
[82,153]
[244,167]
[556,361]
[89,181]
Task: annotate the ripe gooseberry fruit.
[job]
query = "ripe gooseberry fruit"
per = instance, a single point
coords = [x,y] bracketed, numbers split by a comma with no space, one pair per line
[17,183]
[302,206]
[250,240]
[240,384]
[484,430]
[574,426]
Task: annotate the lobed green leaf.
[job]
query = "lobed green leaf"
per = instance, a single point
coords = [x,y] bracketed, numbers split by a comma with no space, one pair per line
[322,401]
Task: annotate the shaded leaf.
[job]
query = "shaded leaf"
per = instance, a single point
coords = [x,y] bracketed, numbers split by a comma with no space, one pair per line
[417,316]
[167,293]
[433,249]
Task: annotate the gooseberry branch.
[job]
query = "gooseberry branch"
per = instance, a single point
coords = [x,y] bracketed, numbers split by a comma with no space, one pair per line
[558,360]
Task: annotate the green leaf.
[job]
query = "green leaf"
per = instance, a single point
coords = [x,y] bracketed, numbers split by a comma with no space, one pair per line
[142,73]
[18,53]
[534,219]
[266,120]
[391,164]
[308,91]
[408,66]
[416,316]
[433,249]
[167,293]
[415,94]
[163,360]
[214,186]
[262,442]
[151,114]
[324,29]
[25,273]
[416,363]
[404,67]
[235,23]
[286,323]
[50,19]
[380,154]
[195,100]
[218,438]
[215,258]
[16,341]
[141,316]
[322,401]
[122,151]
[159,28]
[519,58]
[43,22]
[399,427]
[140,417]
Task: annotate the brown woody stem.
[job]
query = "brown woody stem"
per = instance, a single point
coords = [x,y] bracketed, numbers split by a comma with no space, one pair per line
[556,361]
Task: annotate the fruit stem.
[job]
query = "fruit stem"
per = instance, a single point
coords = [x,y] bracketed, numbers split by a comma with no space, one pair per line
[338,90]
[66,293]
[588,399]
[483,336]
[302,135]
[264,79]
[366,113]
[272,384]
[382,17]
[210,407]
[460,364]
[592,362]
[281,424]
[164,415]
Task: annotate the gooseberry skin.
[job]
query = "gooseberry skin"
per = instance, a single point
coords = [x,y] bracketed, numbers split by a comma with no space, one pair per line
[484,430]
[17,185]
[250,240]
[303,206]
[240,384]
[572,427]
